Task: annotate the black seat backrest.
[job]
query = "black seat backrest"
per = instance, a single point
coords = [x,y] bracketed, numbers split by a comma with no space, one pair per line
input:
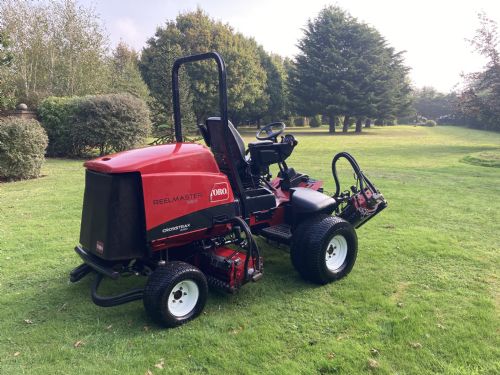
[229,150]
[204,133]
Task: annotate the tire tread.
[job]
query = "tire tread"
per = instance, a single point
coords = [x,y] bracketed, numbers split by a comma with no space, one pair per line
[307,251]
[160,280]
[298,251]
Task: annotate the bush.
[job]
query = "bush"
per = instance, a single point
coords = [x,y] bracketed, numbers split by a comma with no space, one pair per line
[315,121]
[56,115]
[299,121]
[430,123]
[22,148]
[75,125]
[113,122]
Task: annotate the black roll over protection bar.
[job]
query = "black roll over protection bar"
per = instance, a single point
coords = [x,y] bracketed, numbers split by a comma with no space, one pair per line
[221,67]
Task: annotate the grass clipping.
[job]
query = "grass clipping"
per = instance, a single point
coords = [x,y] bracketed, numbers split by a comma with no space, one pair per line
[484,159]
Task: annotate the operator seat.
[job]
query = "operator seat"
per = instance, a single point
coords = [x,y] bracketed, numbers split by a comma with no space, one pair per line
[232,145]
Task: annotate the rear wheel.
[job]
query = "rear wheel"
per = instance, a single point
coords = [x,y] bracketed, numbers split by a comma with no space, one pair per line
[328,249]
[175,294]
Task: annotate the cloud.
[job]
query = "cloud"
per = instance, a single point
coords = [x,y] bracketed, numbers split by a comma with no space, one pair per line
[128,31]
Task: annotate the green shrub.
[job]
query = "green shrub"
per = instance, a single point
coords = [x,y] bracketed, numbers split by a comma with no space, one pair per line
[113,122]
[430,123]
[75,125]
[22,148]
[315,121]
[56,115]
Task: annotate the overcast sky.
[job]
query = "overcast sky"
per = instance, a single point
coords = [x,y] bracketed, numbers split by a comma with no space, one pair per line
[433,32]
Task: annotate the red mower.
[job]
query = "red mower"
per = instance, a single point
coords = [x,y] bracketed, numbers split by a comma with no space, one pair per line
[184,215]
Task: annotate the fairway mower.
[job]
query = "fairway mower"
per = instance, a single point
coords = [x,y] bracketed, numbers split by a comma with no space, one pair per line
[185,215]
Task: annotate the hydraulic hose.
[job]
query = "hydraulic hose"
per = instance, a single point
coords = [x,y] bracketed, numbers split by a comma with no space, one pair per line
[357,170]
[252,246]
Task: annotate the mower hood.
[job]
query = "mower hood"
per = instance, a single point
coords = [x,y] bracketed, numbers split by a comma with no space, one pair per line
[177,157]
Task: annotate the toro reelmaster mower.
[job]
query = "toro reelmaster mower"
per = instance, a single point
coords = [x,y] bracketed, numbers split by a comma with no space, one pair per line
[184,215]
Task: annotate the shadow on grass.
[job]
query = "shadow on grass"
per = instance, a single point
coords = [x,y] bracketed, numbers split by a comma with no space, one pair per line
[61,302]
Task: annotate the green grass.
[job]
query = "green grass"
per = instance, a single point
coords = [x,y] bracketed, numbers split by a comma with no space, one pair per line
[485,158]
[424,292]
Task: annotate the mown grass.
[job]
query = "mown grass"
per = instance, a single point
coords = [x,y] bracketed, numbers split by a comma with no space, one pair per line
[485,159]
[423,297]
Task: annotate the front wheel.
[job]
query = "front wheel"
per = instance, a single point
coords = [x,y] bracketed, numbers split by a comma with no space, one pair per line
[175,294]
[329,250]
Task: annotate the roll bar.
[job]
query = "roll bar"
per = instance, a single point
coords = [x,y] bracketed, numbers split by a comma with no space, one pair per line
[221,67]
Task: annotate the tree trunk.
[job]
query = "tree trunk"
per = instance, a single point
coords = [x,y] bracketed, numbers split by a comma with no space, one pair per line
[368,123]
[346,123]
[331,123]
[359,124]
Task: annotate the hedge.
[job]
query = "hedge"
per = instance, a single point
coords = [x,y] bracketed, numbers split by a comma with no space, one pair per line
[22,148]
[78,125]
[113,122]
[56,115]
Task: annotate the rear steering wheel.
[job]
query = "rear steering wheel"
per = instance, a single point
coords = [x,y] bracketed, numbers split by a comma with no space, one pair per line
[271,131]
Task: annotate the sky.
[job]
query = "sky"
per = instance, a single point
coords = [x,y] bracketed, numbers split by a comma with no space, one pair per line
[432,32]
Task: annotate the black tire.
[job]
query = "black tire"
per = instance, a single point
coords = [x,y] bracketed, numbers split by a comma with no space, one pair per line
[316,243]
[159,288]
[297,248]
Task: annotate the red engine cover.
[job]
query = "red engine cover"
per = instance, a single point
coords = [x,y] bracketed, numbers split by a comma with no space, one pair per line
[182,185]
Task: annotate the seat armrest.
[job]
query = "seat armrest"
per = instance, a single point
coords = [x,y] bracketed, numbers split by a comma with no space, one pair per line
[259,143]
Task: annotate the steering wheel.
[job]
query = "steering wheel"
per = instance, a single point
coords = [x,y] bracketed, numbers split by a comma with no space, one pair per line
[271,130]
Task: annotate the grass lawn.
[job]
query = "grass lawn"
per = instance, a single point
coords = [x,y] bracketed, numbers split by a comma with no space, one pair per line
[423,297]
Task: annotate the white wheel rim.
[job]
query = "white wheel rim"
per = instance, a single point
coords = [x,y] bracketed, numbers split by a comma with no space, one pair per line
[336,252]
[183,298]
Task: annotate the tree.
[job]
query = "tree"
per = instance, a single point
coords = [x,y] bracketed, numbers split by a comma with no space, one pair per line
[5,54]
[125,76]
[58,48]
[276,90]
[480,101]
[155,64]
[342,70]
[393,90]
[7,98]
[246,77]
[432,104]
[195,32]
